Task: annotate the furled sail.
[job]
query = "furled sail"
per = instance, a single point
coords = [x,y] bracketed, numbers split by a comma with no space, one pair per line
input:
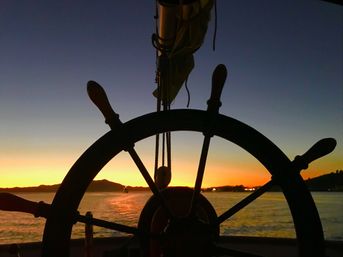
[181,31]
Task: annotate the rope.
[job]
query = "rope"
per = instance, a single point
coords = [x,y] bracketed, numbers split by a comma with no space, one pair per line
[163,147]
[162,97]
[188,93]
[157,79]
[215,26]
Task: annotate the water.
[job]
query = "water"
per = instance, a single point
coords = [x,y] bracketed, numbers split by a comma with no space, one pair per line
[267,216]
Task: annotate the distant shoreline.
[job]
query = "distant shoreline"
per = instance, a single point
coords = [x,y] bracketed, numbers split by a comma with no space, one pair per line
[331,182]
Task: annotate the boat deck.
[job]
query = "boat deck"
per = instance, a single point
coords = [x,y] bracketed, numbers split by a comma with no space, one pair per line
[268,247]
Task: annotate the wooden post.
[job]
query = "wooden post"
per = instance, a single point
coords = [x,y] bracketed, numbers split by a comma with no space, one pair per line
[88,236]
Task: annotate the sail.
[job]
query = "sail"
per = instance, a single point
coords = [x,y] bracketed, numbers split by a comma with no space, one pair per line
[182,29]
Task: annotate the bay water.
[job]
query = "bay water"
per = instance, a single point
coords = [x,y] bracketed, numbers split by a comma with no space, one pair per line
[268,216]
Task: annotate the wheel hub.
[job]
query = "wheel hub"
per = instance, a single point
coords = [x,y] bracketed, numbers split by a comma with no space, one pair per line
[187,237]
[180,235]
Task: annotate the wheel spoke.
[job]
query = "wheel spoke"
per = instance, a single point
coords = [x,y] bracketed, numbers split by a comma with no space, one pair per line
[240,205]
[99,98]
[149,180]
[200,174]
[108,224]
[115,226]
[223,251]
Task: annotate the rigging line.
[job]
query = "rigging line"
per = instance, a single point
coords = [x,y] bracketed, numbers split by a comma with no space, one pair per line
[169,150]
[157,78]
[215,26]
[168,142]
[158,109]
[157,143]
[157,81]
[188,92]
[163,147]
[163,94]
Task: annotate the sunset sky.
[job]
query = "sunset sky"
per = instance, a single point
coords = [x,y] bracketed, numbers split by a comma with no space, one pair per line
[285,64]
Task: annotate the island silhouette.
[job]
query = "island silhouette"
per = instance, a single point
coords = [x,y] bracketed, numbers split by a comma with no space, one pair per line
[331,182]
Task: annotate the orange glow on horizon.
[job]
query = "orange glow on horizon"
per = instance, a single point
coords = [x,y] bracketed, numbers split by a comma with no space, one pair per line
[36,177]
[228,165]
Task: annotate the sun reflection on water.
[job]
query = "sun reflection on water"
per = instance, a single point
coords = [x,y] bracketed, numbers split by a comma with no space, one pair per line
[267,216]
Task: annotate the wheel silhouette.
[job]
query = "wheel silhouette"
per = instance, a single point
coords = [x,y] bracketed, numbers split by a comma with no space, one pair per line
[285,173]
[179,221]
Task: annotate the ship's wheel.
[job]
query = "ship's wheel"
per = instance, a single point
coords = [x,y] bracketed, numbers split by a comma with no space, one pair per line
[179,221]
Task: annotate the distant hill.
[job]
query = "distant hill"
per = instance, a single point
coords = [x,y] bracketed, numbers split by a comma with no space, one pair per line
[104,186]
[328,182]
[41,188]
[331,182]
[108,186]
[95,186]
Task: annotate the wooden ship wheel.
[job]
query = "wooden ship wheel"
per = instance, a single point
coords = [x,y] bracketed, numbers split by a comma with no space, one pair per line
[179,221]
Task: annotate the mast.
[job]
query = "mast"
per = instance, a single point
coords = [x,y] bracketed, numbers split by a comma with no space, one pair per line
[181,26]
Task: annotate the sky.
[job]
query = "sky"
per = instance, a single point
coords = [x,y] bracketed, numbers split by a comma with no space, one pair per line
[285,65]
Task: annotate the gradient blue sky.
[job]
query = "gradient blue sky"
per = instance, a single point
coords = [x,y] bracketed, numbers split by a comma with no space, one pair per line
[285,63]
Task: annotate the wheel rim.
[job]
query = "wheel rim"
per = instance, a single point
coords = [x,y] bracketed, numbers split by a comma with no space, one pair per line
[305,216]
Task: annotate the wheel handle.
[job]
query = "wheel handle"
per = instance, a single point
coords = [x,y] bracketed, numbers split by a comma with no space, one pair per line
[98,96]
[318,150]
[10,202]
[218,81]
